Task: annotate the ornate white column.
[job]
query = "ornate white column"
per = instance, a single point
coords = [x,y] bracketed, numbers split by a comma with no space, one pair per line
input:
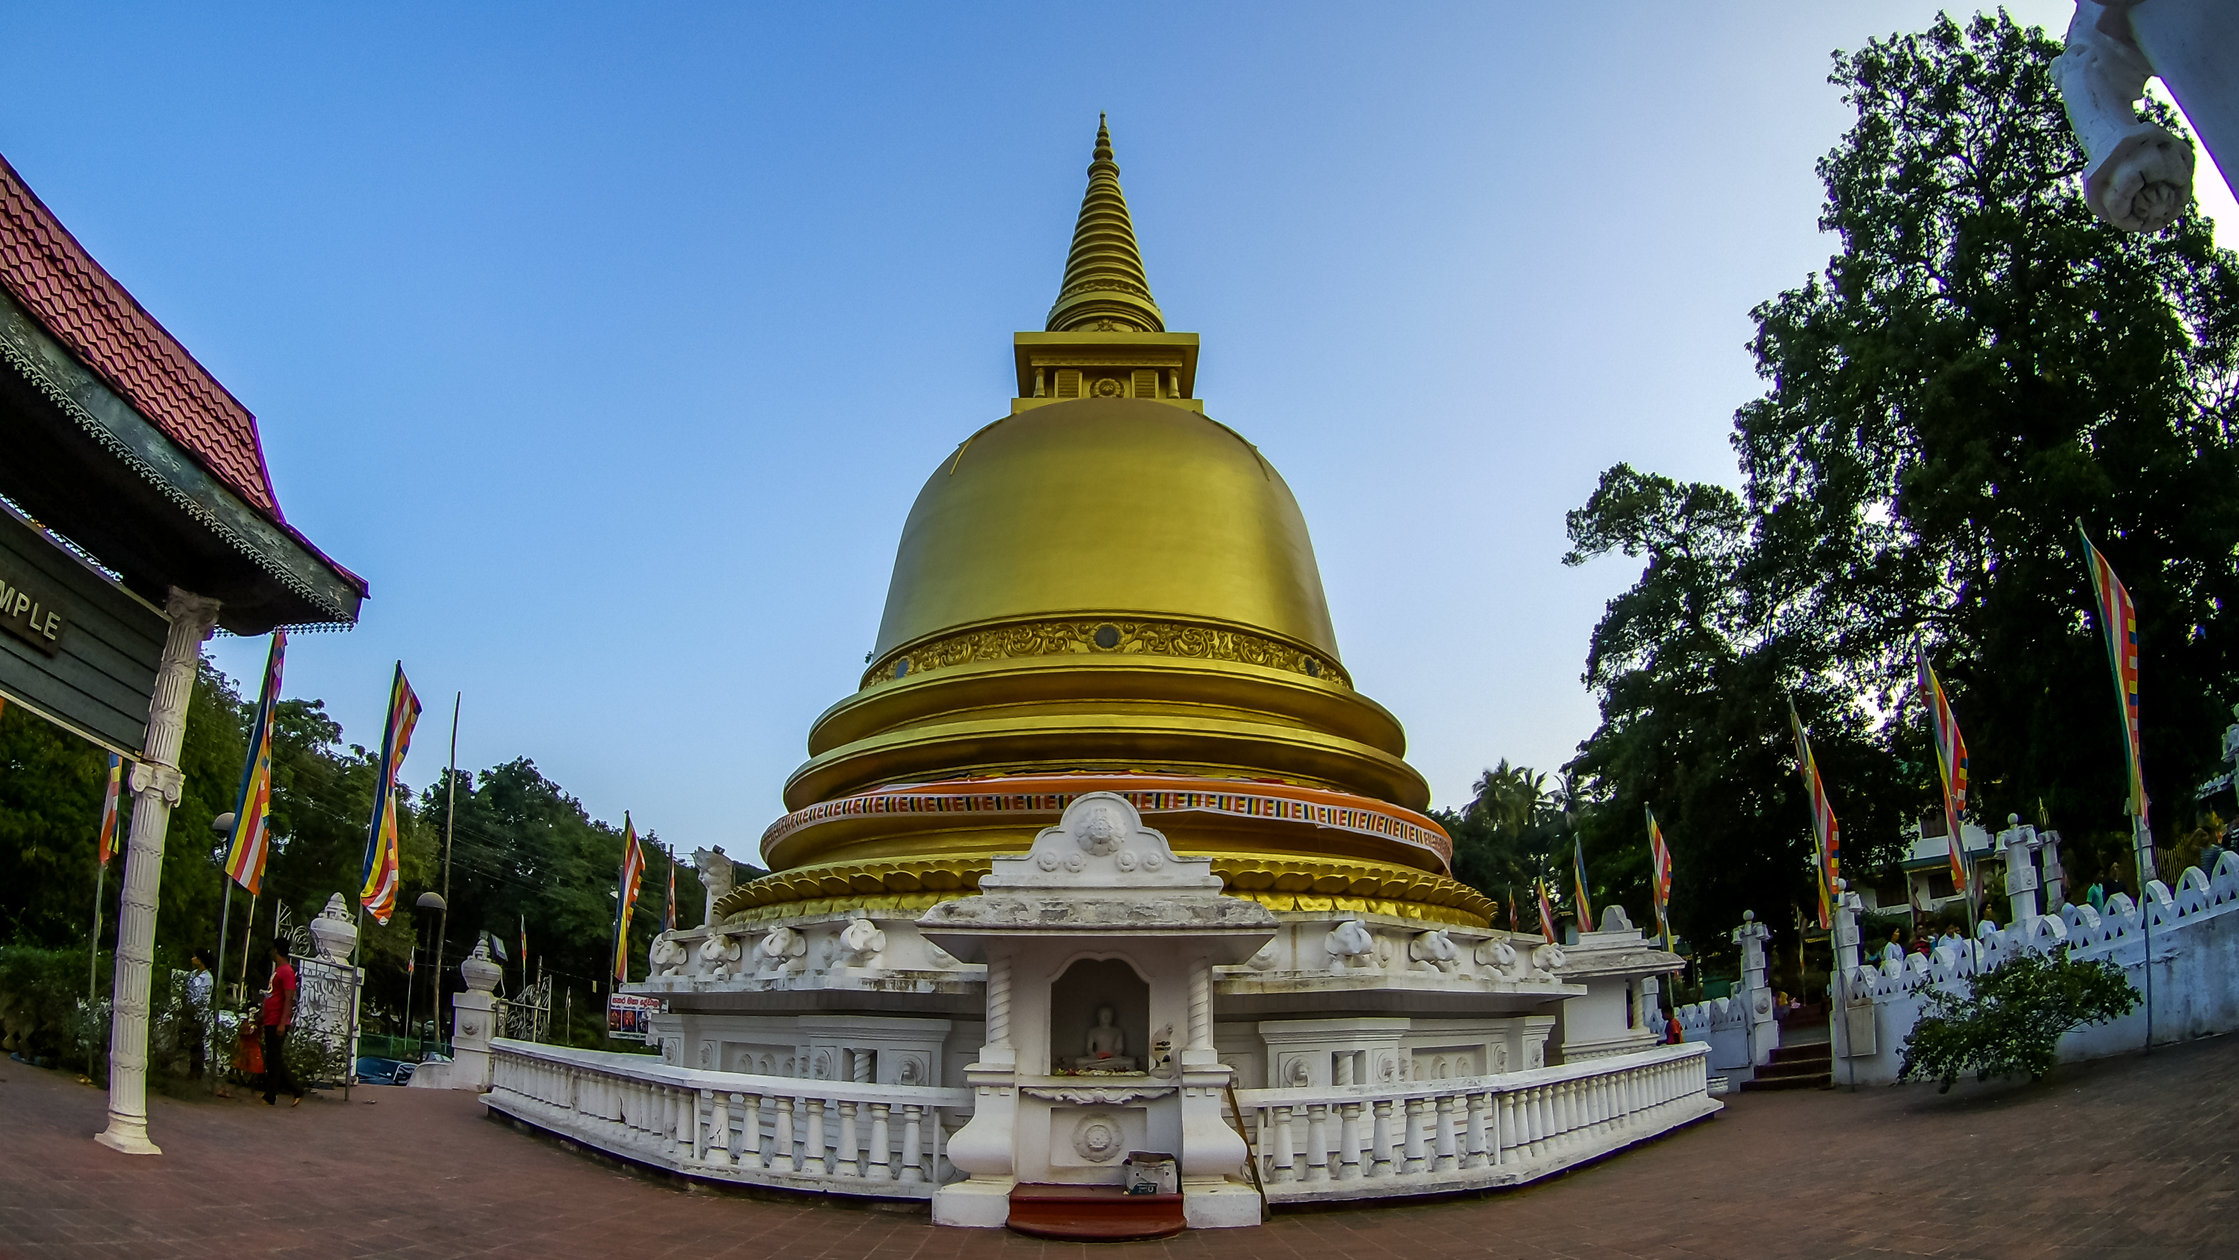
[155,789]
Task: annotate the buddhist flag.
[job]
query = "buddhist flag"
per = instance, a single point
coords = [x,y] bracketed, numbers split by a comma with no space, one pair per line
[1546,914]
[1659,875]
[105,843]
[668,913]
[633,874]
[1951,760]
[2118,619]
[524,949]
[379,893]
[1826,836]
[252,805]
[1578,871]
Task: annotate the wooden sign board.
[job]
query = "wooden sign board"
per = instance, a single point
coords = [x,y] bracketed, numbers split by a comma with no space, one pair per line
[75,647]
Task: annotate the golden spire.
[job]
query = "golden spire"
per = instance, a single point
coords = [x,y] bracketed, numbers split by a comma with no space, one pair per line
[1105,289]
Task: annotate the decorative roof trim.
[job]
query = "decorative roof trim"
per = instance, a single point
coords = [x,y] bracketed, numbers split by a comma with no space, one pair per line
[110,420]
[53,277]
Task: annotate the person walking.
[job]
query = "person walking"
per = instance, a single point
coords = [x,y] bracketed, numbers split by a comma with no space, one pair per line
[277,1018]
[200,985]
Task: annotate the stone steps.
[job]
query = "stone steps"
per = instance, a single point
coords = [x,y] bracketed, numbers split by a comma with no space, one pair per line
[1796,1067]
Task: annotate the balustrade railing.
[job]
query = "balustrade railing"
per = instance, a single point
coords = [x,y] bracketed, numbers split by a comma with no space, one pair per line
[835,1137]
[1358,1141]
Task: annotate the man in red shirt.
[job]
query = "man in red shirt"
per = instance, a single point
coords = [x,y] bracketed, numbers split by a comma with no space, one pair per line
[279,1015]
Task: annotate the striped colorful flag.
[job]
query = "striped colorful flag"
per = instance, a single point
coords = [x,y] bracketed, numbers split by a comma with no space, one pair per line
[524,948]
[1659,875]
[1951,761]
[105,844]
[668,912]
[1546,914]
[379,893]
[633,874]
[252,805]
[2118,620]
[1578,872]
[1826,835]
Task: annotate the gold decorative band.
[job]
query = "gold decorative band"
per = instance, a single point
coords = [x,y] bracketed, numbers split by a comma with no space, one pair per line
[1311,885]
[1104,637]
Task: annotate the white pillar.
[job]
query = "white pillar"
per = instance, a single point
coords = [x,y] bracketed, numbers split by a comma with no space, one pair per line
[2020,844]
[155,789]
[1763,1033]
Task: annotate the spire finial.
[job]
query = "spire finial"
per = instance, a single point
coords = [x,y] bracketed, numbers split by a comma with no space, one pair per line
[1105,289]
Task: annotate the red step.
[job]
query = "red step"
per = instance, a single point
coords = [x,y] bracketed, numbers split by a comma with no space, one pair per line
[1093,1213]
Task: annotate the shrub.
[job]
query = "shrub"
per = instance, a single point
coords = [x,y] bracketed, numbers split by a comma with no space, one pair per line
[46,1017]
[2013,1018]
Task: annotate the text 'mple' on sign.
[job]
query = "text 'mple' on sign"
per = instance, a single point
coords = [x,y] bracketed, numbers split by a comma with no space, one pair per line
[74,646]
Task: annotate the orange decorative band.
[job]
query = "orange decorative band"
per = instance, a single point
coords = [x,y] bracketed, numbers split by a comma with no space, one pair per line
[1344,813]
[1105,637]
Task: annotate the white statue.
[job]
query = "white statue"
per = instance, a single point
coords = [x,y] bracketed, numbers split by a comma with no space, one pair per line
[1548,959]
[716,875]
[782,948]
[717,953]
[864,941]
[1350,943]
[666,957]
[1502,957]
[1435,947]
[1106,1045]
[2140,176]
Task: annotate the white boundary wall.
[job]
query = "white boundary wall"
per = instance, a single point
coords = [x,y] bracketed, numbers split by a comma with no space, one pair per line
[2195,934]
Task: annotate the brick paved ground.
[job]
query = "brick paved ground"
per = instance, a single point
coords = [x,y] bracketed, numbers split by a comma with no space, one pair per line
[2131,1157]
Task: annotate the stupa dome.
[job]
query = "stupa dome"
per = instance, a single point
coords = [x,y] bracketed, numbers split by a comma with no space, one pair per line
[1107,590]
[1102,506]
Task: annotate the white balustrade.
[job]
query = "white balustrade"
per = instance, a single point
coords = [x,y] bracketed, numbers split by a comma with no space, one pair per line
[1362,1141]
[833,1137]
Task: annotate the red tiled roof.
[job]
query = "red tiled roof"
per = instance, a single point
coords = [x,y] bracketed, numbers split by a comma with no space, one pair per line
[52,275]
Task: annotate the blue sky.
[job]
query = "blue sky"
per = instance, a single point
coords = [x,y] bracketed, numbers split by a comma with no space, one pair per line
[610,343]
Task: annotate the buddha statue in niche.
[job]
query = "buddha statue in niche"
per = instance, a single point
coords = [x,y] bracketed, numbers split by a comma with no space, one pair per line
[1106,1046]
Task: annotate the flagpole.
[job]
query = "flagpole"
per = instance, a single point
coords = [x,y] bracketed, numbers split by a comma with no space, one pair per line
[248,927]
[93,951]
[450,810]
[2141,839]
[350,1040]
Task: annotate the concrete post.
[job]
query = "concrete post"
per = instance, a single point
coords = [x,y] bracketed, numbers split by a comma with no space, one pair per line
[156,785]
[1764,1034]
[2020,844]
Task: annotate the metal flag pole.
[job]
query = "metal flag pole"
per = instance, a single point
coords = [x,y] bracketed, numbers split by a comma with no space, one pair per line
[350,1038]
[93,950]
[2141,839]
[248,928]
[443,916]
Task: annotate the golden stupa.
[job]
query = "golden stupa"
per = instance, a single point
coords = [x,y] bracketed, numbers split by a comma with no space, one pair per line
[1106,589]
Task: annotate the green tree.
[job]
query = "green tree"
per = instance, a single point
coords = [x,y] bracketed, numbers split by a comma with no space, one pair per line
[1982,365]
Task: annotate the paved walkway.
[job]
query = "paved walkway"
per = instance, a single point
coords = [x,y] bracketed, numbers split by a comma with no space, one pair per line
[2130,1157]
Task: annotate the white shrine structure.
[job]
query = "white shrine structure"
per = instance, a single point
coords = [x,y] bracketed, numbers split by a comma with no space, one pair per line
[1279,1059]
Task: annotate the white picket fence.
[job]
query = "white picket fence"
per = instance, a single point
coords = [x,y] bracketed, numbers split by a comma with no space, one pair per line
[1470,1133]
[831,1137]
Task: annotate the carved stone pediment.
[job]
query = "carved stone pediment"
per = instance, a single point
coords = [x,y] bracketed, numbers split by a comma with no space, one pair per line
[1096,1095]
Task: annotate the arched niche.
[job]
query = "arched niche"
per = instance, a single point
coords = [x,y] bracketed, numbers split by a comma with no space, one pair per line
[1086,985]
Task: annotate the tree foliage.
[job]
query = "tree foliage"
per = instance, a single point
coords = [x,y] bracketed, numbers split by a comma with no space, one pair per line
[525,853]
[2012,1020]
[1983,365]
[1512,832]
